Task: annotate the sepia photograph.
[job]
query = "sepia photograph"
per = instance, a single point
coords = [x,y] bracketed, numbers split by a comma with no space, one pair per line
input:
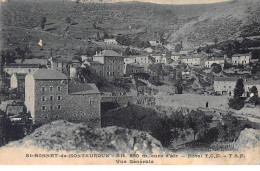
[129,82]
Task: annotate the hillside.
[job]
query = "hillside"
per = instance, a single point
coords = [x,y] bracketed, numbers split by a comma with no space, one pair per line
[21,20]
[191,24]
[66,136]
[238,18]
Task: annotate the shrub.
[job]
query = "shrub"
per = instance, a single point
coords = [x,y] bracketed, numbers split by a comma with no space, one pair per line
[236,103]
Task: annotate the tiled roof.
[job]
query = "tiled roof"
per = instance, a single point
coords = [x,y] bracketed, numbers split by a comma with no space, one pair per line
[85,88]
[110,53]
[232,79]
[215,59]
[32,61]
[48,74]
[14,65]
[252,82]
[61,59]
[238,55]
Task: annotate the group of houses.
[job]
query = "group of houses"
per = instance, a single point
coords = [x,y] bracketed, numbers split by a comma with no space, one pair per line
[226,86]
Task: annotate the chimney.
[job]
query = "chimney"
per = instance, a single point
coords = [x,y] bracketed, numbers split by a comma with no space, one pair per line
[96,53]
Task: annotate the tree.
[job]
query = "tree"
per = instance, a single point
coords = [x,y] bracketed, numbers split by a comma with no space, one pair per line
[254,91]
[239,89]
[236,103]
[216,68]
[77,1]
[216,41]
[43,21]
[198,122]
[127,51]
[177,48]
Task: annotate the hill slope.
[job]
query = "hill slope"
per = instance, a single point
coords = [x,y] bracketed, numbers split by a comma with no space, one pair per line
[225,21]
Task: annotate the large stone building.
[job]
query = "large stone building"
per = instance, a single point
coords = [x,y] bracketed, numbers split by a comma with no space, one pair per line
[113,63]
[191,60]
[242,59]
[209,62]
[49,96]
[225,85]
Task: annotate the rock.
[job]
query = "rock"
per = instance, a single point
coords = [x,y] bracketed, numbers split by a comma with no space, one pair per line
[66,136]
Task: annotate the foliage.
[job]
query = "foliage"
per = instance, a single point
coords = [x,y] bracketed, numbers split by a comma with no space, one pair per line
[230,128]
[177,48]
[155,80]
[236,103]
[239,89]
[254,91]
[216,68]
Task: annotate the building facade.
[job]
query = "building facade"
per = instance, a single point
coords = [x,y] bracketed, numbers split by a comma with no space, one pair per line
[209,62]
[20,68]
[133,69]
[49,96]
[190,60]
[225,85]
[241,59]
[113,63]
[110,41]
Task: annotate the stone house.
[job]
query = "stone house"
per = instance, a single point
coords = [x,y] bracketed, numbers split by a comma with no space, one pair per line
[59,63]
[133,69]
[49,96]
[110,41]
[175,57]
[209,62]
[113,63]
[242,59]
[191,60]
[20,68]
[225,85]
[154,43]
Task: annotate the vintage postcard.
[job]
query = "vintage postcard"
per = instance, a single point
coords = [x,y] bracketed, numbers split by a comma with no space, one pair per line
[129,82]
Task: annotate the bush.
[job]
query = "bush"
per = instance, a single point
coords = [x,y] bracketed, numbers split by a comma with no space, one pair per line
[236,103]
[155,81]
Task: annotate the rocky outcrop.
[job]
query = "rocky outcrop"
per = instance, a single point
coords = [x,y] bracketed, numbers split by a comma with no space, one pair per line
[66,136]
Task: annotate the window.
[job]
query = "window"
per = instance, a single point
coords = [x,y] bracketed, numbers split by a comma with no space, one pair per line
[59,98]
[59,107]
[118,67]
[43,108]
[43,88]
[107,67]
[90,100]
[29,70]
[59,88]
[51,88]
[113,61]
[51,98]
[43,98]
[51,107]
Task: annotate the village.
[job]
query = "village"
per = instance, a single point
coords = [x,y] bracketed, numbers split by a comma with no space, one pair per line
[39,91]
